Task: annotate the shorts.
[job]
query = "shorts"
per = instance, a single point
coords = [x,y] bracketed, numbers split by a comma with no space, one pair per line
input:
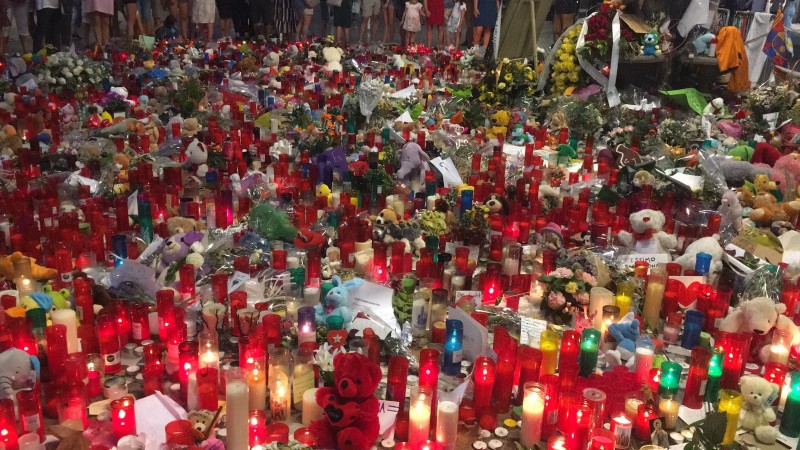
[308,11]
[370,8]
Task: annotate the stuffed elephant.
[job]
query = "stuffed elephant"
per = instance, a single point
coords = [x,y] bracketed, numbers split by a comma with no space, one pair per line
[413,163]
[18,370]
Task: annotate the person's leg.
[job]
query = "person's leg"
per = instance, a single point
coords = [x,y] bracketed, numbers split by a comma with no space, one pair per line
[476,38]
[346,35]
[145,8]
[105,26]
[566,21]
[131,10]
[20,12]
[210,31]
[487,34]
[338,34]
[469,21]
[442,36]
[556,27]
[428,34]
[388,21]
[38,36]
[362,29]
[183,11]
[65,23]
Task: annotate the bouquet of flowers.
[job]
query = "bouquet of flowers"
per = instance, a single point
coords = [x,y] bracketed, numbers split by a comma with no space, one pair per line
[566,70]
[114,103]
[474,224]
[508,83]
[67,71]
[598,36]
[567,291]
[676,133]
[583,117]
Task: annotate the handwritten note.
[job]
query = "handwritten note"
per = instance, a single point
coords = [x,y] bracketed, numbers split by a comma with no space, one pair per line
[387,415]
[653,259]
[531,331]
[300,384]
[375,300]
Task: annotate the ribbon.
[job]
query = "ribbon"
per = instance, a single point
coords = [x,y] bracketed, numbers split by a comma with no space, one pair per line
[609,84]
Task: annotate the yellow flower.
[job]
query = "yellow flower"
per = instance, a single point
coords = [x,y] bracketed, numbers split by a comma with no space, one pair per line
[501,86]
[508,77]
[506,61]
[572,287]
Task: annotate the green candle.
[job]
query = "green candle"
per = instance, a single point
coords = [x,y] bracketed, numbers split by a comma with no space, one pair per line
[587,358]
[790,422]
[670,378]
[146,221]
[714,376]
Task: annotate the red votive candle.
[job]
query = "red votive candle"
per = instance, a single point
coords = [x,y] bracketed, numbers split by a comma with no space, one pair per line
[570,347]
[551,403]
[30,415]
[109,342]
[736,348]
[645,414]
[504,375]
[698,375]
[257,428]
[483,379]
[529,361]
[123,417]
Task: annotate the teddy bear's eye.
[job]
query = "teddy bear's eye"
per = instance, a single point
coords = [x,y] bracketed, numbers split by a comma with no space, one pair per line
[358,381]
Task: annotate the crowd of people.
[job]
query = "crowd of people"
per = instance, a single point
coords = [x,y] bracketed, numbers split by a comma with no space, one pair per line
[85,23]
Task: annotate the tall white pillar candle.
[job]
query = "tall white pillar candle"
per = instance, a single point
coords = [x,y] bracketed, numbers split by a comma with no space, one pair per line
[447,424]
[311,410]
[532,413]
[68,318]
[236,406]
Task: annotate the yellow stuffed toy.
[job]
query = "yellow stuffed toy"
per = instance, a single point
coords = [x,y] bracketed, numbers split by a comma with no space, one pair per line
[38,272]
[500,121]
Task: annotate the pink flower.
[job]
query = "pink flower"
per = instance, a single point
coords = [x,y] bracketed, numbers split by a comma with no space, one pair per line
[556,300]
[582,298]
[562,272]
[629,128]
[588,278]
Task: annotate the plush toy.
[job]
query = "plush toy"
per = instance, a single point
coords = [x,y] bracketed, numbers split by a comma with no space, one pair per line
[757,413]
[643,178]
[500,121]
[702,43]
[60,297]
[387,215]
[197,156]
[271,223]
[350,408]
[650,45]
[497,204]
[190,127]
[519,136]
[741,152]
[337,300]
[177,224]
[786,174]
[647,236]
[708,245]
[413,161]
[565,152]
[759,316]
[333,57]
[38,272]
[626,333]
[766,208]
[407,232]
[730,211]
[715,108]
[179,246]
[18,371]
[324,191]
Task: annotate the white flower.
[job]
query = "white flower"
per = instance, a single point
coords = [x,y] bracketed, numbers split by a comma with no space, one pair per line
[80,62]
[89,71]
[77,70]
[62,81]
[65,71]
[195,259]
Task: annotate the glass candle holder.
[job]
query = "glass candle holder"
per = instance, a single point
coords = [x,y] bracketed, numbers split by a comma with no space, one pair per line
[668,409]
[643,362]
[483,380]
[587,358]
[208,349]
[529,361]
[109,342]
[570,345]
[714,382]
[575,420]
[776,373]
[790,421]
[557,443]
[446,423]
[454,330]
[549,347]
[730,402]
[256,367]
[123,416]
[8,424]
[622,428]
[735,347]
[644,415]
[670,378]
[396,380]
[654,296]
[504,375]
[419,416]
[207,388]
[602,439]
[534,394]
[280,387]
[257,428]
[696,382]
[236,395]
[781,344]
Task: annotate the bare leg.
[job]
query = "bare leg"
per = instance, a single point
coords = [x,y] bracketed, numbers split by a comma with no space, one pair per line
[131,13]
[476,39]
[442,36]
[388,22]
[556,27]
[183,9]
[487,34]
[363,29]
[346,36]
[97,29]
[339,34]
[105,26]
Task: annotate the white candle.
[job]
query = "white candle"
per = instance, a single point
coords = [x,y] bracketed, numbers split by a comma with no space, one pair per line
[306,333]
[779,354]
[430,202]
[532,414]
[336,199]
[599,297]
[668,408]
[291,310]
[236,405]
[279,400]
[209,359]
[399,207]
[311,410]
[191,392]
[419,418]
[257,386]
[447,424]
[68,318]
[362,246]
[273,125]
[457,283]
[213,313]
[29,441]
[292,262]
[310,296]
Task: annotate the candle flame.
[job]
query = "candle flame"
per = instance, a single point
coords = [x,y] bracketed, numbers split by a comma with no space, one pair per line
[121,414]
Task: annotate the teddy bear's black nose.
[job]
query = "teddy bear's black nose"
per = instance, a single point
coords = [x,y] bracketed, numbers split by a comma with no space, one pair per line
[345,384]
[758,332]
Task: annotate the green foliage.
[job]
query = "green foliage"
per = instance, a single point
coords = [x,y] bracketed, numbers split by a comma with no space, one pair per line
[188,95]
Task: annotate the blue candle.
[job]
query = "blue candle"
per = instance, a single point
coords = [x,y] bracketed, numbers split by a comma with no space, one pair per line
[692,326]
[466,200]
[119,246]
[452,347]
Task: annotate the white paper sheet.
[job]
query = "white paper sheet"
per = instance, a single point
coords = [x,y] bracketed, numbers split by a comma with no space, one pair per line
[375,300]
[152,414]
[450,175]
[476,336]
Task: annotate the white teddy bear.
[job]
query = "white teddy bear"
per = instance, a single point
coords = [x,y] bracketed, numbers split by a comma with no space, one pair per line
[708,245]
[647,236]
[757,412]
[197,154]
[333,58]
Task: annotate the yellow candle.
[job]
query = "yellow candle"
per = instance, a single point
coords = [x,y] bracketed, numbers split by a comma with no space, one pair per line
[730,402]
[632,406]
[668,408]
[257,389]
[549,348]
[654,296]
[623,302]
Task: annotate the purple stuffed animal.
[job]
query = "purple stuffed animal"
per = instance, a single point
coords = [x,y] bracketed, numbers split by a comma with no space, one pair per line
[413,163]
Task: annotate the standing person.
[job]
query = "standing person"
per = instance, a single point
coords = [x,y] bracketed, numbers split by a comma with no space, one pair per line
[285,21]
[64,24]
[469,23]
[412,20]
[225,9]
[18,11]
[370,10]
[100,12]
[304,19]
[389,20]
[5,24]
[434,11]
[241,21]
[262,14]
[325,13]
[485,20]
[203,14]
[47,13]
[563,16]
[146,13]
[132,20]
[454,22]
[342,21]
[184,18]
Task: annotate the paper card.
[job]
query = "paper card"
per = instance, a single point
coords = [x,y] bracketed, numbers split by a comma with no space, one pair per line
[636,23]
[147,42]
[790,241]
[771,255]
[468,297]
[403,93]
[387,413]
[153,412]
[513,150]
[374,299]
[133,204]
[680,351]
[405,117]
[476,336]
[301,384]
[237,280]
[450,175]
[689,415]
[653,259]
[155,245]
[360,324]
[531,331]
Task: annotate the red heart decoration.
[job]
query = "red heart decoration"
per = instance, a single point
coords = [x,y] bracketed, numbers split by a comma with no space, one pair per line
[689,296]
[337,338]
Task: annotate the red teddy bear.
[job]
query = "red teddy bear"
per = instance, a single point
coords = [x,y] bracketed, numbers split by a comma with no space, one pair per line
[350,407]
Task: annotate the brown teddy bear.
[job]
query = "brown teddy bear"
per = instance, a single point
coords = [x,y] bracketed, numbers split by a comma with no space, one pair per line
[179,224]
[766,208]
